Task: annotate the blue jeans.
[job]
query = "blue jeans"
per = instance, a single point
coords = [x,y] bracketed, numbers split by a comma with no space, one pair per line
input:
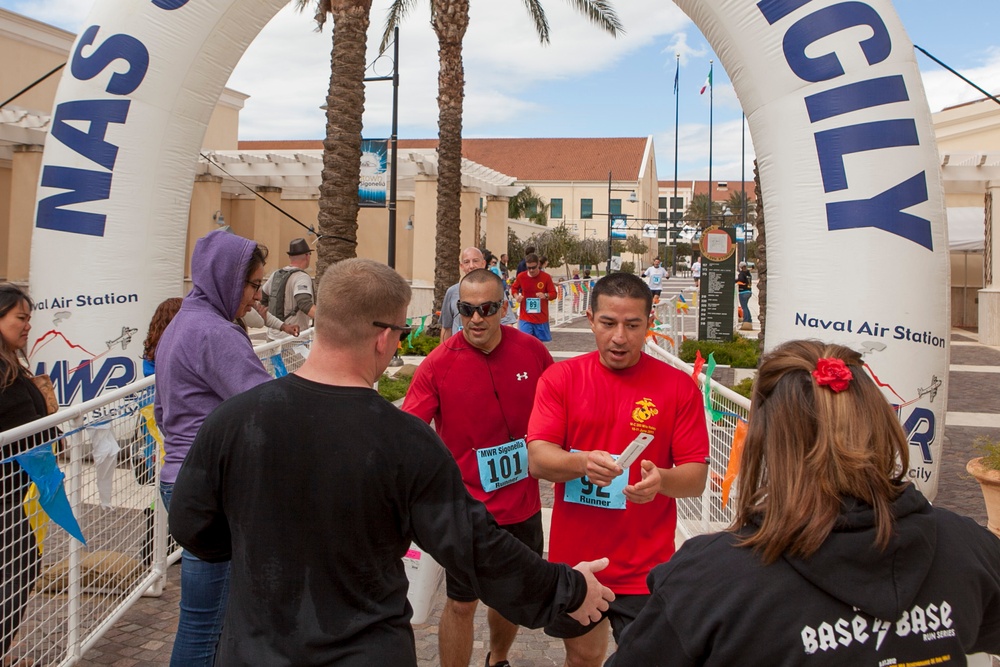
[204,593]
[745,304]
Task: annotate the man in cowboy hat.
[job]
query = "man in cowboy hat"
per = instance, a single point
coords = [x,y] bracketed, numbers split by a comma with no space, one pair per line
[288,292]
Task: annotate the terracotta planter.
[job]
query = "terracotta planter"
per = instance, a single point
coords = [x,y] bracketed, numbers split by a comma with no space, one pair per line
[989,481]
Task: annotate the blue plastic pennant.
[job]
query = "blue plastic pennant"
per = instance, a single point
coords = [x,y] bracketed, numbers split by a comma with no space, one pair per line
[40,464]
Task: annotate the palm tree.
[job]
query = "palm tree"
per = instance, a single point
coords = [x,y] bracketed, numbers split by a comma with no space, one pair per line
[698,211]
[345,104]
[527,204]
[450,20]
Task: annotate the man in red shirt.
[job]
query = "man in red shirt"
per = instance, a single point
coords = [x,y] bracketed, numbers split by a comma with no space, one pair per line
[479,387]
[587,412]
[533,289]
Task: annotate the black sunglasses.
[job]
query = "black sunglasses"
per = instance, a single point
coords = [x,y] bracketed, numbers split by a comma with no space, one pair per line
[404,331]
[484,309]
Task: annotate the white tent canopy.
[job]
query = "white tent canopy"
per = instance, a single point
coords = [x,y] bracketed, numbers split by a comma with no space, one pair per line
[966,228]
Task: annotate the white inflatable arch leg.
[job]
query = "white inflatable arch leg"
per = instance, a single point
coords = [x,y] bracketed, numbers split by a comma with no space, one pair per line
[857,252]
[111,221]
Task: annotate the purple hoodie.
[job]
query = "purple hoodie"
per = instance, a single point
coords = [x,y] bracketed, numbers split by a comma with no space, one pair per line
[203,357]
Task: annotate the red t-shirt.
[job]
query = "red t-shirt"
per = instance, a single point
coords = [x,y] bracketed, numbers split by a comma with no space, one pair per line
[580,404]
[480,400]
[525,284]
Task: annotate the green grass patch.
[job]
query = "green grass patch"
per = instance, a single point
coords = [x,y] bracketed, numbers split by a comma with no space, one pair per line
[744,387]
[421,346]
[392,388]
[740,352]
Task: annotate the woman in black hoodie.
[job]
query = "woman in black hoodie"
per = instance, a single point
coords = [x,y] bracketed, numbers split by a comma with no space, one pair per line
[834,558]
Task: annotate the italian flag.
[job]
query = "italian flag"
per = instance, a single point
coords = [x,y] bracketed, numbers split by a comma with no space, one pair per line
[707,84]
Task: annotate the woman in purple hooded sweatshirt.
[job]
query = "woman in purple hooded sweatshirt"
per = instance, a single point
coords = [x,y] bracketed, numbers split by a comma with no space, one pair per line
[204,358]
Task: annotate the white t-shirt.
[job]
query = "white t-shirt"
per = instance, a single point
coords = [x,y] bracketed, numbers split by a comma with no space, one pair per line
[656,275]
[696,269]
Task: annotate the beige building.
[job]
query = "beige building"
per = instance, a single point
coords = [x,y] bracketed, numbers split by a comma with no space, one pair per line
[968,139]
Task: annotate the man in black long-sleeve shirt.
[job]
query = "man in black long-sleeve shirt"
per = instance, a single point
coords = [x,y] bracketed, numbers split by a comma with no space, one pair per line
[314,486]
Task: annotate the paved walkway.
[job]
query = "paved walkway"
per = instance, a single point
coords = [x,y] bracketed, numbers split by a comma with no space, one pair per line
[145,635]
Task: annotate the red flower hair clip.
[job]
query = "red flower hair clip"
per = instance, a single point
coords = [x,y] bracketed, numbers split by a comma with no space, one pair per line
[833,373]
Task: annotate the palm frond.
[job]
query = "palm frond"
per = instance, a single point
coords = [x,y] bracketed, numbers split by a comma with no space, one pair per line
[323,9]
[534,8]
[393,17]
[601,13]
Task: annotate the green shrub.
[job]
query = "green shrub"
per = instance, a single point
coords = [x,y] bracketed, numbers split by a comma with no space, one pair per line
[740,352]
[744,387]
[393,388]
[989,449]
[628,267]
[421,346]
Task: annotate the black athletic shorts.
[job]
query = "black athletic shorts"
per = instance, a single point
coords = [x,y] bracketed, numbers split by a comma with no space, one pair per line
[529,532]
[622,611]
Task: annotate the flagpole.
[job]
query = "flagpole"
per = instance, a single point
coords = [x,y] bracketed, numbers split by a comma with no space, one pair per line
[711,99]
[677,115]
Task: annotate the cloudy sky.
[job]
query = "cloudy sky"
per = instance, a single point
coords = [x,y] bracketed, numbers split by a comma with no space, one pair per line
[583,84]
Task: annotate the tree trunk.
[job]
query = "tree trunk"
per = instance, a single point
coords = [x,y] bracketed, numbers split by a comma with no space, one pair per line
[761,264]
[345,104]
[450,19]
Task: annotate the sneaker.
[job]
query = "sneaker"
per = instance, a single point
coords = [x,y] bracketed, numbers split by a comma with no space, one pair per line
[502,663]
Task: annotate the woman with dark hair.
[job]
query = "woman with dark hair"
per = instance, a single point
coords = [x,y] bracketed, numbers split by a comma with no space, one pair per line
[20,402]
[834,558]
[161,318]
[202,359]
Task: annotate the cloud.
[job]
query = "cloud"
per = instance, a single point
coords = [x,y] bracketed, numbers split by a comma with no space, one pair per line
[503,63]
[944,89]
[65,14]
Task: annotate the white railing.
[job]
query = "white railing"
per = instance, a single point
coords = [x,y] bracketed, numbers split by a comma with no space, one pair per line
[675,321]
[572,301]
[706,514]
[76,592]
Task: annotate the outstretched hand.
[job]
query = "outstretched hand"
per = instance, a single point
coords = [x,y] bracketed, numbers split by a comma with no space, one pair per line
[646,489]
[599,596]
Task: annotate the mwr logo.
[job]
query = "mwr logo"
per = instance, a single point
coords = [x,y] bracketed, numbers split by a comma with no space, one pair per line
[843,632]
[85,380]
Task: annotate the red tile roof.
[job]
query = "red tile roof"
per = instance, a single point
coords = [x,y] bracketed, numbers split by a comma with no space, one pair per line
[527,159]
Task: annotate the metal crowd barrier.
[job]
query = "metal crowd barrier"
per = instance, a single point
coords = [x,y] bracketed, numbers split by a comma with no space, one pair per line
[706,514]
[60,596]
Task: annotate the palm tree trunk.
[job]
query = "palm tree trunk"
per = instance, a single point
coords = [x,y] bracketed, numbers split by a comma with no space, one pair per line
[450,19]
[345,103]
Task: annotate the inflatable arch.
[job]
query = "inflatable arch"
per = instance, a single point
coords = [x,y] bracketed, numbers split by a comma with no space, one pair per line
[857,252]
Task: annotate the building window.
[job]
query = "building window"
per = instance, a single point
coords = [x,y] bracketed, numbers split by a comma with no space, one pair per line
[676,202]
[616,206]
[663,202]
[555,208]
[587,209]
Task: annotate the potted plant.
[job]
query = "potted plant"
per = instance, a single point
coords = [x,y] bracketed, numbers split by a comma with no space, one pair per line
[986,470]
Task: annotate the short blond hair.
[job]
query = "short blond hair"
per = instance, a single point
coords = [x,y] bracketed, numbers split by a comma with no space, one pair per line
[352,294]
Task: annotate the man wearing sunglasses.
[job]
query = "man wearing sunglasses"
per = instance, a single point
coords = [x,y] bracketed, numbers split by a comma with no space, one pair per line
[478,387]
[533,289]
[470,260]
[316,497]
